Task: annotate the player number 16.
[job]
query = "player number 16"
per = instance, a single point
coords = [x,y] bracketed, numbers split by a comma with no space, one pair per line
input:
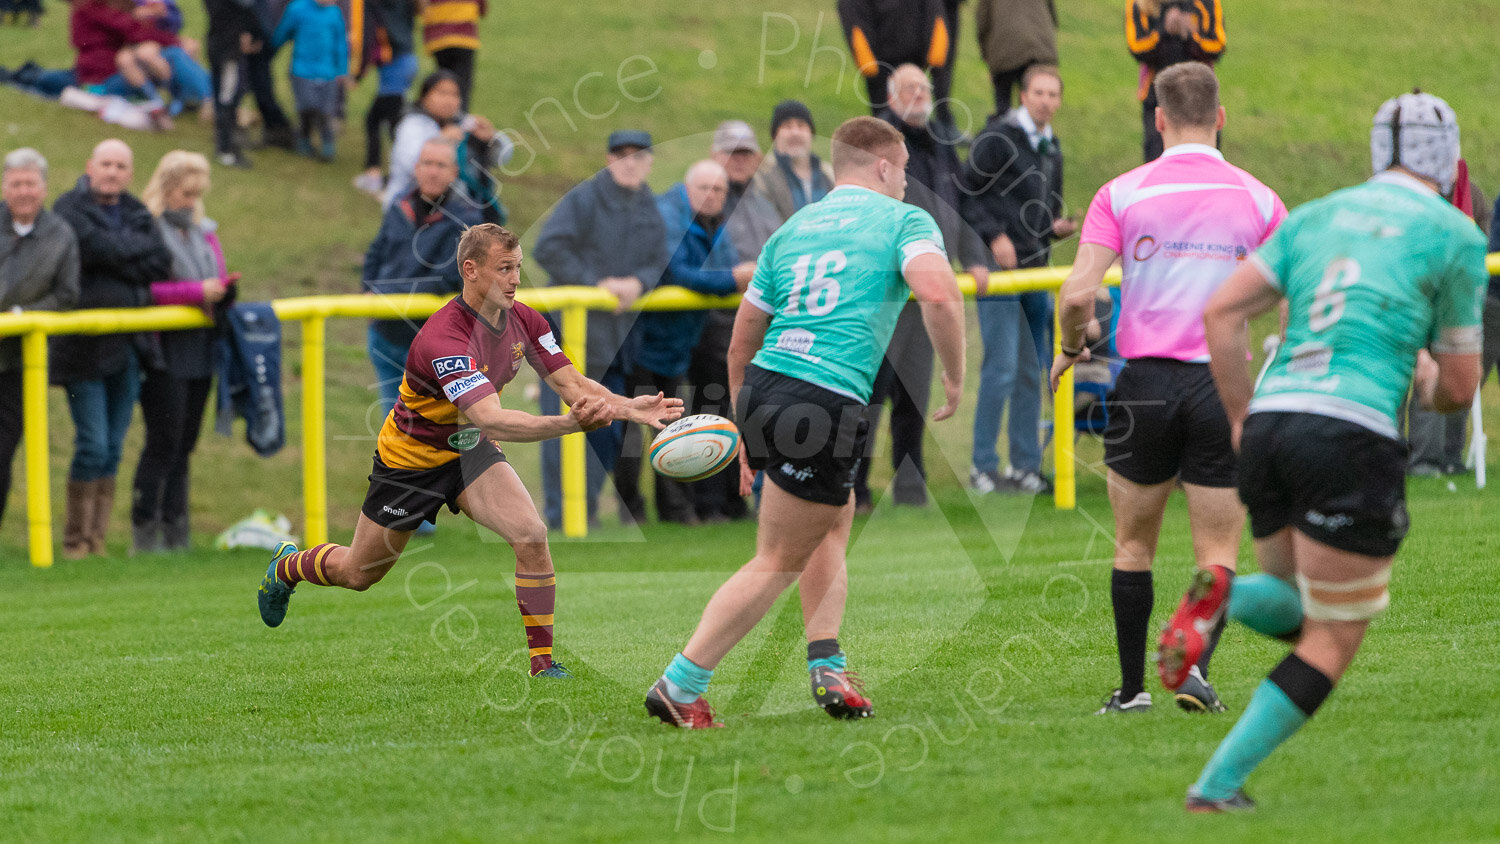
[822,291]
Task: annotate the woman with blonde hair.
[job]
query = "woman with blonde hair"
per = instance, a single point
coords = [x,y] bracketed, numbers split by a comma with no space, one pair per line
[173,394]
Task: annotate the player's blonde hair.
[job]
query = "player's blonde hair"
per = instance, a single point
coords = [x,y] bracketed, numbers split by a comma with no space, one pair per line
[477,242]
[176,168]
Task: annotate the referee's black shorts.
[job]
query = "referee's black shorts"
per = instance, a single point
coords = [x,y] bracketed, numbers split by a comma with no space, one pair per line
[1166,422]
[808,440]
[1337,482]
[401,499]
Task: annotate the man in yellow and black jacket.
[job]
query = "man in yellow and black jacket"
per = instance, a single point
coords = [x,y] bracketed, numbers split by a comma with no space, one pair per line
[1161,33]
[885,34]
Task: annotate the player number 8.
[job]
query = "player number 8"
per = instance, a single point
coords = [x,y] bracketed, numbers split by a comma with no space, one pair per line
[1328,303]
[823,292]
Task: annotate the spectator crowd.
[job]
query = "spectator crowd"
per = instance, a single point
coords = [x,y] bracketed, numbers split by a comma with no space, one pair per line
[101,246]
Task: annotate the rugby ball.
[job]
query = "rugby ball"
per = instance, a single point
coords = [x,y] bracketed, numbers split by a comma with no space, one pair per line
[695,447]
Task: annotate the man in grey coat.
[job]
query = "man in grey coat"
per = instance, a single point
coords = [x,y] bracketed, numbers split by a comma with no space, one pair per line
[38,272]
[605,233]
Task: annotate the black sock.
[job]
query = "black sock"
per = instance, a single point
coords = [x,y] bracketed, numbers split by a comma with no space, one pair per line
[1132,595]
[822,649]
[1210,644]
[1305,685]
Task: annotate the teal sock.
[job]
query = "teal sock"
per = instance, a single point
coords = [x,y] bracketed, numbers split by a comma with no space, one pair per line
[837,662]
[1266,604]
[686,680]
[1269,720]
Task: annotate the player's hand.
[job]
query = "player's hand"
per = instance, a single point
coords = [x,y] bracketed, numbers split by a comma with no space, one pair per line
[953,392]
[1064,227]
[1236,430]
[452,132]
[1062,363]
[590,413]
[981,276]
[655,411]
[1004,252]
[747,475]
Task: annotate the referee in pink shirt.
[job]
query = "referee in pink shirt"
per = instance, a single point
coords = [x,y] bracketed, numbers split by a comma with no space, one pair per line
[1179,225]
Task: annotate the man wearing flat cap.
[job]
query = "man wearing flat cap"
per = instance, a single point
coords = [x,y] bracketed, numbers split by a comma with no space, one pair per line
[605,232]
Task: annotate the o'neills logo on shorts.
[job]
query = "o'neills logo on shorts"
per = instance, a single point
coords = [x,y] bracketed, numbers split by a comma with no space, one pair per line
[452,364]
[465,439]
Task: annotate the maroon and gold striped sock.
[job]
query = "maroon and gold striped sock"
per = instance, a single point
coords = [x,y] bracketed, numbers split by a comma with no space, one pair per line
[305,566]
[536,597]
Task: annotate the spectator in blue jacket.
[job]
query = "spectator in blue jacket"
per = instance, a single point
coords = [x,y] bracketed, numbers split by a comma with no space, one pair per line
[415,251]
[320,67]
[604,233]
[704,260]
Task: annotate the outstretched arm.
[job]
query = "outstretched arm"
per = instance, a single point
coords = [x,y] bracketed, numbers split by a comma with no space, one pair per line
[654,410]
[518,426]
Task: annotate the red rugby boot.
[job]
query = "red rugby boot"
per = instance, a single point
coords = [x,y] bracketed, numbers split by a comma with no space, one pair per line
[697,715]
[840,693]
[1182,641]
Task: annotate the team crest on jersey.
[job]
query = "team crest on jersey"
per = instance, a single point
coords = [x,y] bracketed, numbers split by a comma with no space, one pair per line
[465,439]
[453,363]
[517,352]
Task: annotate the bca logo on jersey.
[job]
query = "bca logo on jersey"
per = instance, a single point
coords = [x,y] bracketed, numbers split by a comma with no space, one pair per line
[452,364]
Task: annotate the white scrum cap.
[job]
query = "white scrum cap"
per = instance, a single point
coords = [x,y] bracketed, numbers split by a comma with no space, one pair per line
[1419,132]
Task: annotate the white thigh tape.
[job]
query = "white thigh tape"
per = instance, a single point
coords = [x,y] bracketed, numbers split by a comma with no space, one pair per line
[1351,600]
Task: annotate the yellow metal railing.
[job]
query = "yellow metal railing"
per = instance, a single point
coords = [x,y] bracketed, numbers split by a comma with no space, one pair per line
[313,312]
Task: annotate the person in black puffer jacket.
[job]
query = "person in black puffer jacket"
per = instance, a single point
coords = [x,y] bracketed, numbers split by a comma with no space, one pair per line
[120,254]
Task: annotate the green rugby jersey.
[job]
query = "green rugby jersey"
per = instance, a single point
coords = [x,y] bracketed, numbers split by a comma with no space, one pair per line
[831,279]
[1371,274]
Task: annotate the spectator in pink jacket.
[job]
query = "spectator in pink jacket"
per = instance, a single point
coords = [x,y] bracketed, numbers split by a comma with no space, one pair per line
[173,396]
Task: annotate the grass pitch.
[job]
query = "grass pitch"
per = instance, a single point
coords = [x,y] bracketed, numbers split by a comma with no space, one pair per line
[144,699]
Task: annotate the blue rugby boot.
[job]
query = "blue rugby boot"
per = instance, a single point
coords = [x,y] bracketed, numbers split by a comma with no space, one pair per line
[274,595]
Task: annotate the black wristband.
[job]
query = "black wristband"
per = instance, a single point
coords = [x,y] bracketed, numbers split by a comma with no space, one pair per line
[1072,353]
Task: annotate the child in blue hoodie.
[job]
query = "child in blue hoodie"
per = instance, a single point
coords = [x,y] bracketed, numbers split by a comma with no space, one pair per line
[320,67]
